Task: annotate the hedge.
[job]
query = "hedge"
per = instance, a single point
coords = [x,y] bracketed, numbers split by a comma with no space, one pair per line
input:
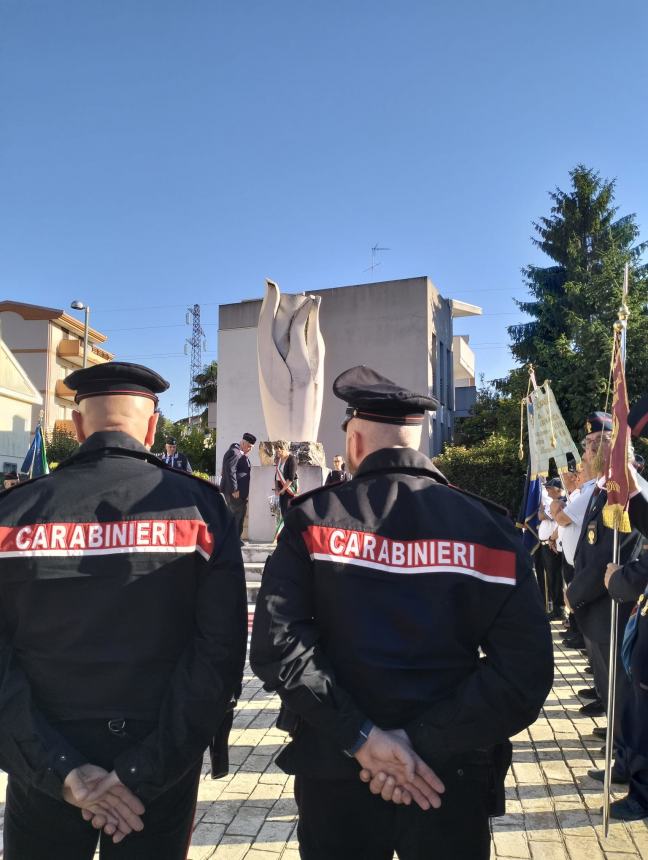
[491,469]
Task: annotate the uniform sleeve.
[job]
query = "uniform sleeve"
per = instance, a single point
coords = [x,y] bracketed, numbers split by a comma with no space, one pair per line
[229,468]
[30,748]
[286,653]
[208,675]
[639,507]
[589,584]
[507,689]
[631,581]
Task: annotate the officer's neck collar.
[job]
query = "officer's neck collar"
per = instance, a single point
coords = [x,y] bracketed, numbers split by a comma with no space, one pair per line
[399,460]
[111,439]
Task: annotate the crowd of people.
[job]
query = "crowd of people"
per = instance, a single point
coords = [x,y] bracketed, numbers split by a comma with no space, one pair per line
[399,620]
[578,583]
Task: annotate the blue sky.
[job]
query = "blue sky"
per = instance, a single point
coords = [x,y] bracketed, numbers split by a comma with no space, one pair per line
[154,154]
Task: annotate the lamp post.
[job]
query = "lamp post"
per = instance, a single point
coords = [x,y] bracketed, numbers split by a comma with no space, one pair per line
[79,306]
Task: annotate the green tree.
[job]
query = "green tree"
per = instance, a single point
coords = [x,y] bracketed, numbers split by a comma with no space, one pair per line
[205,387]
[493,412]
[574,301]
[60,445]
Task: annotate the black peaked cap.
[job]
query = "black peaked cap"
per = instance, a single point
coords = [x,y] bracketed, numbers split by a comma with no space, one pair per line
[116,377]
[598,422]
[248,437]
[373,397]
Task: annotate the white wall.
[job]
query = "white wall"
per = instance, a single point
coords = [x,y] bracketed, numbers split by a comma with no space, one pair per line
[384,325]
[239,400]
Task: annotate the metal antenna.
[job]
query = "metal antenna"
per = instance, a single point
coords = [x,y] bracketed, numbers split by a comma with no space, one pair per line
[374,251]
[196,343]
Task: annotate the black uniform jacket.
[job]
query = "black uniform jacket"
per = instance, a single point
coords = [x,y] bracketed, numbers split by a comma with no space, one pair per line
[176,461]
[638,507]
[587,594]
[375,605]
[236,472]
[122,596]
[632,580]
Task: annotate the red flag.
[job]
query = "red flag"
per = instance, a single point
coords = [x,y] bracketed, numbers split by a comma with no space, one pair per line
[615,512]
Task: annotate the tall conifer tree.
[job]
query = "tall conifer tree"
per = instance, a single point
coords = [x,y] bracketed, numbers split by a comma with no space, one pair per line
[574,301]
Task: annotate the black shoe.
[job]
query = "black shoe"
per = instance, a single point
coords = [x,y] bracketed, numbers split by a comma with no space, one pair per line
[575,642]
[627,809]
[616,778]
[593,709]
[600,732]
[588,693]
[588,670]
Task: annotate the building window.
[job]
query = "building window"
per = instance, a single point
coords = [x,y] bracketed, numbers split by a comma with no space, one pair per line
[9,467]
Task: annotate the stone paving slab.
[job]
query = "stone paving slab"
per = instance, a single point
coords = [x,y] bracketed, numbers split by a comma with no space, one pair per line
[552,805]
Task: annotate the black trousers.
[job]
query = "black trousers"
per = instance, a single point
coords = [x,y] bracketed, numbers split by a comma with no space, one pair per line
[635,728]
[39,827]
[553,578]
[284,503]
[599,655]
[238,507]
[342,820]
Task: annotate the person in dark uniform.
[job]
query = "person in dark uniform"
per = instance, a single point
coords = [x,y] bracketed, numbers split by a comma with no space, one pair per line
[338,473]
[122,636]
[369,623]
[629,582]
[174,458]
[587,594]
[235,478]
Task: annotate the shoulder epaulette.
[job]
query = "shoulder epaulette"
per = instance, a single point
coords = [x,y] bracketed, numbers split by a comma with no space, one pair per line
[488,503]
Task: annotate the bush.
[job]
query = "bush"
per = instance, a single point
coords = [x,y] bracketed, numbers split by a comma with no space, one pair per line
[60,445]
[491,469]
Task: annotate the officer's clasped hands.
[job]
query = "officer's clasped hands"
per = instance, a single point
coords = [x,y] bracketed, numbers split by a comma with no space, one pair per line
[104,800]
[392,769]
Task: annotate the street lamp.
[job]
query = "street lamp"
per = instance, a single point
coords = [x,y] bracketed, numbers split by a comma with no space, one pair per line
[79,306]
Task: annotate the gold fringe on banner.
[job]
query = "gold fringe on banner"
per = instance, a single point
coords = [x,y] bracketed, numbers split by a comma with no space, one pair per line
[616,517]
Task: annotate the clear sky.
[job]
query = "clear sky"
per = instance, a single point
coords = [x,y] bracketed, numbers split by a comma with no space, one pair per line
[157,153]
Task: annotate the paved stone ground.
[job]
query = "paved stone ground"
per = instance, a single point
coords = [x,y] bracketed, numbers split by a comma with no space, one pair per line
[553,807]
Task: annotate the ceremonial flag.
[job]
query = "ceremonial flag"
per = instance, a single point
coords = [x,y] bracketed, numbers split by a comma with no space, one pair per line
[549,438]
[615,512]
[35,463]
[528,516]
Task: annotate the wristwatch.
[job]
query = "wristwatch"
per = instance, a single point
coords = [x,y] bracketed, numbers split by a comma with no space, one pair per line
[363,737]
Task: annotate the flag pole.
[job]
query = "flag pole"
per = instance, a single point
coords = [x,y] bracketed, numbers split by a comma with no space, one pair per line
[621,328]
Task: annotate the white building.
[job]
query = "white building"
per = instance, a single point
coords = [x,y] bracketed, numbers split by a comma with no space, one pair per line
[401,328]
[463,365]
[18,401]
[48,342]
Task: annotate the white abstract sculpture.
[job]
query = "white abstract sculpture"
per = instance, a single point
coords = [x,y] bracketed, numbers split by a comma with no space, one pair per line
[290,351]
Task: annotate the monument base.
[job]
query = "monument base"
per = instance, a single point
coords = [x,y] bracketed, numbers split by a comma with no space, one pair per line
[261,522]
